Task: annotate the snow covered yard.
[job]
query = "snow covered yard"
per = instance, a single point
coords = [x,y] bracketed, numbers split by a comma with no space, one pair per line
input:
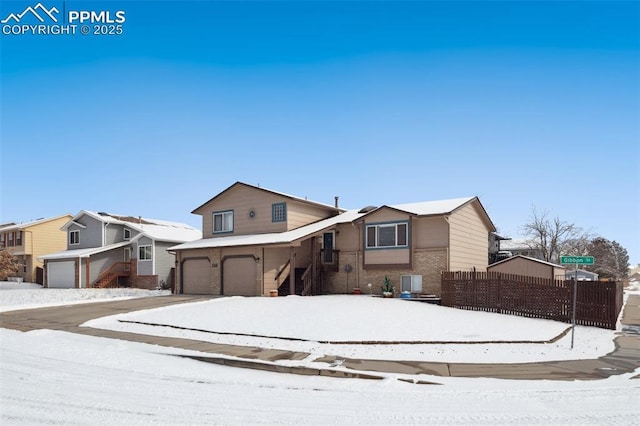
[321,325]
[52,377]
[14,296]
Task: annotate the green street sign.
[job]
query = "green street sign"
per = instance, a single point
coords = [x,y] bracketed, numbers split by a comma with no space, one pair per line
[577,260]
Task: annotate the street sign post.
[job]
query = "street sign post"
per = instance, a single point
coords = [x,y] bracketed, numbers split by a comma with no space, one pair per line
[575,260]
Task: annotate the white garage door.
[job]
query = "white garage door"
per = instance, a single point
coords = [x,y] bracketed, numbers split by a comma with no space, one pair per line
[239,277]
[196,276]
[61,274]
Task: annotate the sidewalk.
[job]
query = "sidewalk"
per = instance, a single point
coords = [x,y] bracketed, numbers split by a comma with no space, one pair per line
[624,359]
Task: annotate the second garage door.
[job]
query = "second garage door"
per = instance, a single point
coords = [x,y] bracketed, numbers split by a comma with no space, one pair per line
[61,274]
[196,276]
[239,276]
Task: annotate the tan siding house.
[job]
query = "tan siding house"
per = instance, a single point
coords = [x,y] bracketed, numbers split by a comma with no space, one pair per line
[299,246]
[528,266]
[28,241]
[468,241]
[252,210]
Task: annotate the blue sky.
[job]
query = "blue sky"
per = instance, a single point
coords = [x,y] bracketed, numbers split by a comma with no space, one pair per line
[524,104]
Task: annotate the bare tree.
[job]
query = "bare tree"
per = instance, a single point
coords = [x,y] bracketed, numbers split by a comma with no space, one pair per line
[554,237]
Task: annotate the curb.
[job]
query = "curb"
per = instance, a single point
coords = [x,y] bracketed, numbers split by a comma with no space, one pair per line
[302,371]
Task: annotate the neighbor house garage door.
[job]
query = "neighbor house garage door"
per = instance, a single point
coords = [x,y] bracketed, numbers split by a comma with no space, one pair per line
[239,276]
[196,276]
[61,274]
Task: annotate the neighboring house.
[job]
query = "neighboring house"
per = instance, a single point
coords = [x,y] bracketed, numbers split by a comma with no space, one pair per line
[257,241]
[106,250]
[581,274]
[518,246]
[528,266]
[495,253]
[27,241]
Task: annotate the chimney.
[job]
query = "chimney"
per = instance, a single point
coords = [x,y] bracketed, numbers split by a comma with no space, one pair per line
[336,201]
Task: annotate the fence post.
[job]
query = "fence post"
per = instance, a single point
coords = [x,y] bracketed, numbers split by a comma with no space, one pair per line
[499,294]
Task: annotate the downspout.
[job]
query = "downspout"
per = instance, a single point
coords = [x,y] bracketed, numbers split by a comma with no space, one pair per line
[446,219]
[79,272]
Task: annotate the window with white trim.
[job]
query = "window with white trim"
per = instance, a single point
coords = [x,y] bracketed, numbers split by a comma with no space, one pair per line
[387,235]
[127,234]
[145,253]
[223,221]
[279,212]
[74,237]
[411,283]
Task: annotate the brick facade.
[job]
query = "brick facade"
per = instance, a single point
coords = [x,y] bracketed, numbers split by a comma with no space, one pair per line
[426,262]
[148,282]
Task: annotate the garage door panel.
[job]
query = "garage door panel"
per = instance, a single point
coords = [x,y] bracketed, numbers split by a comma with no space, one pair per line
[61,274]
[240,276]
[196,276]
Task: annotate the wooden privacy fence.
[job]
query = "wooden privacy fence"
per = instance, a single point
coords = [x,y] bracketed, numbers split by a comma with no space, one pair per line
[598,303]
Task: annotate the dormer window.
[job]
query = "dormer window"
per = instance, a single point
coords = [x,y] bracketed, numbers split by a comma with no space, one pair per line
[74,237]
[223,221]
[127,234]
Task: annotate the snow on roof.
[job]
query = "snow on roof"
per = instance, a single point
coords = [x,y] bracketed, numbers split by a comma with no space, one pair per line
[426,208]
[286,237]
[555,265]
[420,209]
[161,230]
[74,254]
[13,226]
[516,243]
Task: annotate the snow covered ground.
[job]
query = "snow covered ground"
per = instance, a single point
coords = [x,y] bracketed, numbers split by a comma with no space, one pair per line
[52,377]
[346,318]
[14,295]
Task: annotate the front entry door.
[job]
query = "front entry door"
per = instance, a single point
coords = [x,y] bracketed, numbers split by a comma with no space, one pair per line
[327,246]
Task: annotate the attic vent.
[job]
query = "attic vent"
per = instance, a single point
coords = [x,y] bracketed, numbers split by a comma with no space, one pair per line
[103,213]
[367,209]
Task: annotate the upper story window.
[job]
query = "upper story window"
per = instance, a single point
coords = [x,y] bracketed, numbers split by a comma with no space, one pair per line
[387,235]
[223,221]
[10,239]
[279,212]
[127,234]
[18,238]
[145,253]
[74,237]
[2,240]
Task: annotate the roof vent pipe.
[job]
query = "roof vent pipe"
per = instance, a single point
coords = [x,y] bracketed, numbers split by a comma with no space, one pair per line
[336,201]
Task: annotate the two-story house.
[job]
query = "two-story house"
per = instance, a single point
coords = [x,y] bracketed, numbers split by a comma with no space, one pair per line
[30,240]
[257,241]
[105,250]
